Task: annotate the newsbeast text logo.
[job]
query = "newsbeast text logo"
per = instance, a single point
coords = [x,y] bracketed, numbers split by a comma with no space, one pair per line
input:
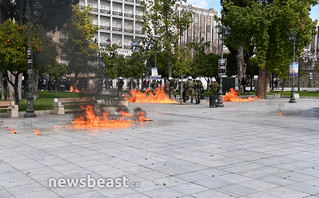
[89,182]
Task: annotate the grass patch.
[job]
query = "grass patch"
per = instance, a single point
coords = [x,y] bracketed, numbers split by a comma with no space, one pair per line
[45,100]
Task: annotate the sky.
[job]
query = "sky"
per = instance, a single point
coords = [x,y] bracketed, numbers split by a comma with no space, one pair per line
[314,14]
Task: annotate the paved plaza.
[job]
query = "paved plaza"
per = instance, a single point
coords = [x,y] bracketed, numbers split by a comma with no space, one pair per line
[245,149]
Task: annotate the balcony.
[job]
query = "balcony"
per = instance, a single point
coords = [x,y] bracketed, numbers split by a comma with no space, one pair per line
[105,11]
[130,1]
[127,47]
[138,31]
[128,30]
[128,15]
[103,27]
[95,10]
[117,29]
[138,16]
[137,1]
[117,13]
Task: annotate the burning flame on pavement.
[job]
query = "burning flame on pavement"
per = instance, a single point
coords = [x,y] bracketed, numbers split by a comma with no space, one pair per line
[148,97]
[37,132]
[231,96]
[281,113]
[142,117]
[89,120]
[71,89]
[125,114]
[12,130]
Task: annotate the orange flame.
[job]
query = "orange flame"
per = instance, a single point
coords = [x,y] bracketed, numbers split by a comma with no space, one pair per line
[89,120]
[281,113]
[37,132]
[71,89]
[142,117]
[231,96]
[12,130]
[148,97]
[125,114]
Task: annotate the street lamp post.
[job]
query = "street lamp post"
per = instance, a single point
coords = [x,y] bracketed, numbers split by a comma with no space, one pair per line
[293,38]
[30,105]
[220,92]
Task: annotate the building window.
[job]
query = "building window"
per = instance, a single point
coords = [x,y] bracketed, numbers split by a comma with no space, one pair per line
[115,8]
[114,23]
[126,10]
[196,18]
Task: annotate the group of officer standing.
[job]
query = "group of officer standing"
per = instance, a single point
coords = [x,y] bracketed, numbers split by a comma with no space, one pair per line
[191,88]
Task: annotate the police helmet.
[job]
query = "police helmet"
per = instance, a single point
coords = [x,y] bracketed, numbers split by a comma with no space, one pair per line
[197,79]
[170,78]
[190,78]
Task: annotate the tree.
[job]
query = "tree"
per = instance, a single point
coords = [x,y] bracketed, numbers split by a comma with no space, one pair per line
[13,51]
[162,18]
[247,21]
[79,48]
[205,65]
[114,63]
[268,25]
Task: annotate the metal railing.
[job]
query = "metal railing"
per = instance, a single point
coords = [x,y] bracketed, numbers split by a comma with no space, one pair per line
[127,47]
[105,11]
[128,15]
[104,27]
[117,13]
[117,29]
[138,31]
[131,1]
[128,30]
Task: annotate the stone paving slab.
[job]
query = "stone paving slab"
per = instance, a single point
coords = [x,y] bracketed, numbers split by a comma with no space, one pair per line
[242,150]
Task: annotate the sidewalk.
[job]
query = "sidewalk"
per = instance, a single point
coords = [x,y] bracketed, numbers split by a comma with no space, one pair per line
[242,150]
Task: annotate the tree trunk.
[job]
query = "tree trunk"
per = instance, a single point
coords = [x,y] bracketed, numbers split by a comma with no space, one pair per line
[11,90]
[251,82]
[13,80]
[262,83]
[75,82]
[169,64]
[56,85]
[35,80]
[283,84]
[299,74]
[240,66]
[2,86]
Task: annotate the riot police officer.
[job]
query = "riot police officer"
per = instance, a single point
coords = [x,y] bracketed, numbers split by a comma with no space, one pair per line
[189,89]
[120,84]
[172,87]
[198,87]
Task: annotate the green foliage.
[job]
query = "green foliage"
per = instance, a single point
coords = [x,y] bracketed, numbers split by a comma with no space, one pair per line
[182,63]
[45,56]
[78,47]
[203,64]
[162,18]
[263,29]
[13,44]
[136,67]
[113,62]
[56,70]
